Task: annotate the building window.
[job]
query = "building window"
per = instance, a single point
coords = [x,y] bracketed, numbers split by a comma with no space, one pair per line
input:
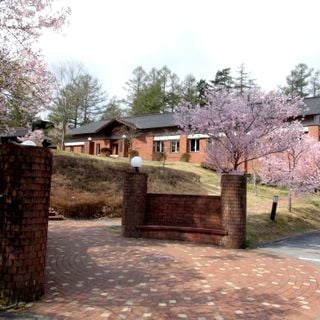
[72,149]
[98,148]
[82,149]
[175,146]
[194,145]
[158,146]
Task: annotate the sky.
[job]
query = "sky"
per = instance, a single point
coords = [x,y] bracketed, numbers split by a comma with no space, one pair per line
[112,37]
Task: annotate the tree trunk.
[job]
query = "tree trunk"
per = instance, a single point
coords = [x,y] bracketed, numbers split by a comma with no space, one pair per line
[255,189]
[62,137]
[290,200]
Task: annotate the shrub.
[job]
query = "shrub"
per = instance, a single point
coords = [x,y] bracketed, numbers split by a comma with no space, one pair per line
[105,152]
[185,157]
[133,153]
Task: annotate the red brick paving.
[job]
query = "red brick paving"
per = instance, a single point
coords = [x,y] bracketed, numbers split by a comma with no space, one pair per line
[95,274]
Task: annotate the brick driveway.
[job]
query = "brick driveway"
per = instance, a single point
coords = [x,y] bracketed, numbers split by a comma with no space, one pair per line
[95,274]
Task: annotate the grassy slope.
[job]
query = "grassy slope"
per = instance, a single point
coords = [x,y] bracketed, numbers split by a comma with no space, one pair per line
[103,177]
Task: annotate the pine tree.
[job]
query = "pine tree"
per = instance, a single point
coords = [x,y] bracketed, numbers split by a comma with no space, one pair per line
[298,81]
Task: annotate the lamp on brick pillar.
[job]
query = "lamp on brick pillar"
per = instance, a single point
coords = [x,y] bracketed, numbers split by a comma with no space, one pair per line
[136,163]
[234,209]
[134,200]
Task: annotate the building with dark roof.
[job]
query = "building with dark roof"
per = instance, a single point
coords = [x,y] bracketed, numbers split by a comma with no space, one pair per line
[149,135]
[12,134]
[154,134]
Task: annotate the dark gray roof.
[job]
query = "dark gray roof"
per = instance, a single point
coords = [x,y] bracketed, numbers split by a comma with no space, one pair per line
[162,120]
[312,106]
[91,127]
[13,132]
[166,120]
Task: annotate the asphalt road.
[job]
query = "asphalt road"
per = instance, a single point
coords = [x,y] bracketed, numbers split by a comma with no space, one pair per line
[305,247]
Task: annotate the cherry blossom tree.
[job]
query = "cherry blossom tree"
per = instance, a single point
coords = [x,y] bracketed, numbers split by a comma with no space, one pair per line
[25,82]
[297,169]
[242,127]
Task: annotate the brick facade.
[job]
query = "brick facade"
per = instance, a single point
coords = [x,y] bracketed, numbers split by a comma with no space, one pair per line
[314,132]
[218,220]
[25,175]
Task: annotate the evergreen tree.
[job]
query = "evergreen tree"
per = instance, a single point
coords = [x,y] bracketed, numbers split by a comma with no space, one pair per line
[90,96]
[155,92]
[315,84]
[224,79]
[203,87]
[173,95]
[242,81]
[113,109]
[136,84]
[189,90]
[298,81]
[150,100]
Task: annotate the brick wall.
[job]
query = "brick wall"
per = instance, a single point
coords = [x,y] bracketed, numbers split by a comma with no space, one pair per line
[183,210]
[205,219]
[25,175]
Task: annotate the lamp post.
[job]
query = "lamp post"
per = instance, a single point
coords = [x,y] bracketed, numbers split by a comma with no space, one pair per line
[136,163]
[123,148]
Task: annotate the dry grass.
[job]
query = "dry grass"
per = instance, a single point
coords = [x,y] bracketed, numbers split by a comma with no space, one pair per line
[101,178]
[91,187]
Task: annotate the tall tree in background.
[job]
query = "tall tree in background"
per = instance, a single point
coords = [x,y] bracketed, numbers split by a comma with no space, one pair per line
[113,109]
[314,83]
[242,81]
[189,89]
[298,81]
[25,83]
[203,87]
[153,92]
[91,98]
[135,85]
[150,99]
[223,79]
[63,107]
[241,129]
[174,92]
[79,98]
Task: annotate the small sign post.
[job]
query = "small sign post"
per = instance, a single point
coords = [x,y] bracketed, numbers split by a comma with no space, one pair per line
[274,207]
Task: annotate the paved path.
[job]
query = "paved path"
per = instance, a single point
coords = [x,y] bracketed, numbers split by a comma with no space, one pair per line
[304,247]
[95,274]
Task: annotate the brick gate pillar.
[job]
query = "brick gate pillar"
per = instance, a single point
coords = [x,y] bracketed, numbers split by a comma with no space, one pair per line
[234,208]
[134,203]
[25,178]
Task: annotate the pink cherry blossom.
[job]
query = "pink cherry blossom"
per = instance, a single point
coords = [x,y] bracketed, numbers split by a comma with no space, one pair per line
[297,169]
[23,74]
[243,127]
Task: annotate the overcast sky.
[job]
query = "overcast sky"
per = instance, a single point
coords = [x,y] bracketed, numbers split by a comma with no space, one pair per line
[112,37]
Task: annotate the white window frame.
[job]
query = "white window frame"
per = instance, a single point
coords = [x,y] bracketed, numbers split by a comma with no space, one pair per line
[196,142]
[158,146]
[175,146]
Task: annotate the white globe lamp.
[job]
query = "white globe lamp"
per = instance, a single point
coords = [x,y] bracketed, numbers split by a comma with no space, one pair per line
[136,163]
